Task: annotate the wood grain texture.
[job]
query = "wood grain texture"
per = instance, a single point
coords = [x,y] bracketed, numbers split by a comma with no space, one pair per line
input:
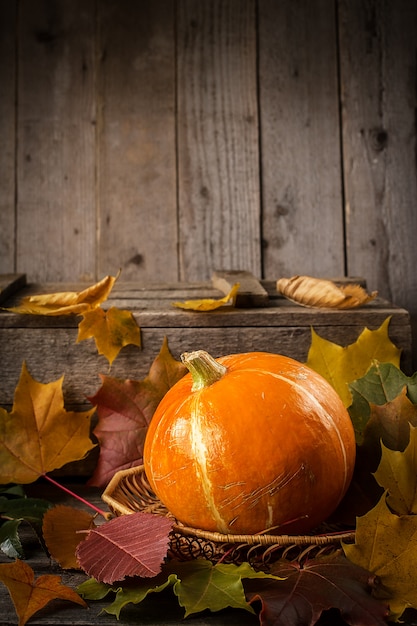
[299,110]
[136,148]
[56,226]
[378,68]
[8,64]
[218,159]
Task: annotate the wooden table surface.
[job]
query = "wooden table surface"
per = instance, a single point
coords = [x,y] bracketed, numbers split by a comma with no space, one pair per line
[160,609]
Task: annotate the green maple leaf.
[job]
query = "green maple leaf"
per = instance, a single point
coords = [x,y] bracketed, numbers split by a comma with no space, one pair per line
[198,585]
[202,585]
[138,591]
[382,383]
[341,365]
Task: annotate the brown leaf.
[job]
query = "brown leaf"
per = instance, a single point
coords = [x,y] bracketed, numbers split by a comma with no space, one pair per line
[39,435]
[125,408]
[320,293]
[319,585]
[62,528]
[67,302]
[131,545]
[390,422]
[111,330]
[30,595]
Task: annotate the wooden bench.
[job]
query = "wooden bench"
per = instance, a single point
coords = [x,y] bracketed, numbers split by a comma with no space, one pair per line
[48,344]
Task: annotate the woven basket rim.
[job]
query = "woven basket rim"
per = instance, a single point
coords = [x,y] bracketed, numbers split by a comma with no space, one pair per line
[264,539]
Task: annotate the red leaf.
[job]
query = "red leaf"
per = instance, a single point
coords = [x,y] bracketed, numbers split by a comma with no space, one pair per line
[131,545]
[125,408]
[323,583]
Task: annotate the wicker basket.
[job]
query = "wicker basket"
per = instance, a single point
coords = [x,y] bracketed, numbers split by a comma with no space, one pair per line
[129,492]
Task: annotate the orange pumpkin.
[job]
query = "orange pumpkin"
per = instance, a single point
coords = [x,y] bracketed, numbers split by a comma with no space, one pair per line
[248,443]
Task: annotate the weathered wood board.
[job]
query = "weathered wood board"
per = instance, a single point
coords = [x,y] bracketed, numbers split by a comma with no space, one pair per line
[48,344]
[302,216]
[173,139]
[8,12]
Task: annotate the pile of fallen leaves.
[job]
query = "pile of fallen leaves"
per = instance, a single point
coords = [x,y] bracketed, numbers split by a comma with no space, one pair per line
[368,581]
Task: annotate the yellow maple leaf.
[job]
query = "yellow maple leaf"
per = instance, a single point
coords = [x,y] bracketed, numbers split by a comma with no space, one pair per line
[397,473]
[341,365]
[386,545]
[209,304]
[67,302]
[30,595]
[39,435]
[111,330]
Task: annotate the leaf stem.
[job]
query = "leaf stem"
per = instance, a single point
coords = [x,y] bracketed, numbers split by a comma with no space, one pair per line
[80,498]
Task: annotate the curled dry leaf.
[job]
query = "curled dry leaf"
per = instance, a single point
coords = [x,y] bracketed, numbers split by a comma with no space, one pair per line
[67,302]
[209,304]
[321,293]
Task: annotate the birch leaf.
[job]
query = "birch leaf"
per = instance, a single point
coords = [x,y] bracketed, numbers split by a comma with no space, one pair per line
[39,435]
[67,302]
[130,545]
[209,304]
[30,595]
[111,330]
[342,365]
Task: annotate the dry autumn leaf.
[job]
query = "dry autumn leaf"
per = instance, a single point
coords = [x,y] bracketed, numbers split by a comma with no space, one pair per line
[30,595]
[62,530]
[397,474]
[111,330]
[39,435]
[341,365]
[209,304]
[125,408]
[386,545]
[318,585]
[67,302]
[130,545]
[321,293]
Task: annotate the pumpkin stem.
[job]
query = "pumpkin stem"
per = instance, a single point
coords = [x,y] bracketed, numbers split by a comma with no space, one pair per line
[204,369]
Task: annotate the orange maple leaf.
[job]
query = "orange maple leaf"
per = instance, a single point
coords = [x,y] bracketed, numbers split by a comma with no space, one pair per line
[39,435]
[30,595]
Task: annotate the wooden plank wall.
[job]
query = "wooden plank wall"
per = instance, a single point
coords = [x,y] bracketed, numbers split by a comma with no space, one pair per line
[174,137]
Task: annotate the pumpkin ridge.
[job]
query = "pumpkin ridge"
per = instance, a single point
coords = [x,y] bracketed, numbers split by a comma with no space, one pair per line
[323,413]
[200,458]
